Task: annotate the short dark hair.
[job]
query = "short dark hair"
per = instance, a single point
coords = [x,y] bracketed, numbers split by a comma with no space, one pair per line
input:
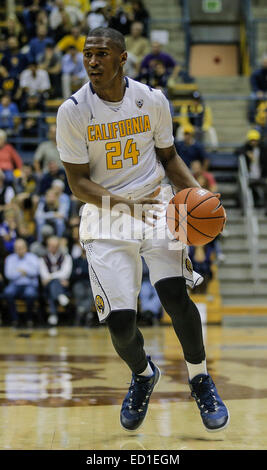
[110,33]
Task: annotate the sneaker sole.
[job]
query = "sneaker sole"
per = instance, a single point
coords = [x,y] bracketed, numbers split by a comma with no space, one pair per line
[222,428]
[137,429]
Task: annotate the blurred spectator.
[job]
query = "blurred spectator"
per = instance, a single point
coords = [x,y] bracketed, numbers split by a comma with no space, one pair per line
[8,114]
[140,13]
[50,211]
[46,152]
[32,126]
[149,61]
[255,153]
[35,79]
[123,17]
[14,28]
[258,84]
[9,229]
[199,115]
[7,193]
[75,38]
[3,255]
[9,84]
[14,61]
[64,199]
[82,5]
[9,157]
[3,46]
[97,16]
[62,18]
[261,117]
[73,72]
[30,14]
[189,149]
[205,178]
[22,271]
[81,290]
[156,77]
[54,172]
[55,272]
[137,44]
[38,44]
[51,62]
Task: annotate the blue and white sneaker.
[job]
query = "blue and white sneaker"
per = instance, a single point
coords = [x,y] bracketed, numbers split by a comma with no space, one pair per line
[135,404]
[213,411]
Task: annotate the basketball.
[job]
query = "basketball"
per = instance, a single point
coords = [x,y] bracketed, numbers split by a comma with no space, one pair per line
[195,216]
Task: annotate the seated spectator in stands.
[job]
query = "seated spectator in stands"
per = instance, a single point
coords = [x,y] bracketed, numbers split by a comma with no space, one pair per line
[73,72]
[50,211]
[8,114]
[9,85]
[9,229]
[81,289]
[32,126]
[35,80]
[9,157]
[38,44]
[261,117]
[14,60]
[205,178]
[22,272]
[189,149]
[123,17]
[54,171]
[140,13]
[64,199]
[7,194]
[199,115]
[258,84]
[51,62]
[55,272]
[46,152]
[14,28]
[255,152]
[97,17]
[30,14]
[3,46]
[75,39]
[157,77]
[62,17]
[3,255]
[137,44]
[156,54]
[201,260]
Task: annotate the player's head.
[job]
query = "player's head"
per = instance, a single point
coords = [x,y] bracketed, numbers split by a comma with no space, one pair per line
[104,56]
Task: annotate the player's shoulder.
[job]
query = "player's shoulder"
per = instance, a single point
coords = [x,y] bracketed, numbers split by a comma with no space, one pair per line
[155,97]
[75,102]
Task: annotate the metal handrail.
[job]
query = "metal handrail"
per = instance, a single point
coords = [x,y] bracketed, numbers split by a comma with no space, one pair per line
[251,221]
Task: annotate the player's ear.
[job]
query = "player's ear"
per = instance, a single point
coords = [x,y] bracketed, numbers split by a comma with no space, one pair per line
[124,57]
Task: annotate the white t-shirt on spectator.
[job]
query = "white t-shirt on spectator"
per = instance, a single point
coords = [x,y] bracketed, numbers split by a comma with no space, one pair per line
[39,83]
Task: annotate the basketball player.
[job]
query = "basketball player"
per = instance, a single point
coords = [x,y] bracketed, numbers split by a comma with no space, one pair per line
[114,136]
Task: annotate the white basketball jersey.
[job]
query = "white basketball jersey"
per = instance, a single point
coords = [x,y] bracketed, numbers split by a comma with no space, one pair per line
[119,144]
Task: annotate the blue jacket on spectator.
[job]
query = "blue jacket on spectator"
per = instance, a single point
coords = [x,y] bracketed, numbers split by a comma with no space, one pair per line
[189,153]
[15,63]
[37,48]
[258,80]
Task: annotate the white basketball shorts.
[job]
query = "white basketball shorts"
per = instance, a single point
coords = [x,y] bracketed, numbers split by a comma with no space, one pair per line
[115,269]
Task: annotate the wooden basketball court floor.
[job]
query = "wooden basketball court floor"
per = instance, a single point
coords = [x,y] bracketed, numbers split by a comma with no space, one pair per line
[62,389]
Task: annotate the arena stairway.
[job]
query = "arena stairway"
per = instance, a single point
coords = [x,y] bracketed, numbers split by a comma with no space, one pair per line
[259,11]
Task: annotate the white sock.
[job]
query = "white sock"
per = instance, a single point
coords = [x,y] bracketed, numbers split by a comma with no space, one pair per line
[148,372]
[196,369]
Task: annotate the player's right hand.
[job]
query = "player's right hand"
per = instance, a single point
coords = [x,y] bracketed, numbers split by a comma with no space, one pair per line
[146,209]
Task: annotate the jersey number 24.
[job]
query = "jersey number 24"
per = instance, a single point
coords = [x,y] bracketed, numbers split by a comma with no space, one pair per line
[114,149]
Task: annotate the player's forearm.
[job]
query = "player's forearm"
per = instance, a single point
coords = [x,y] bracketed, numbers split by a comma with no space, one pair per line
[179,174]
[92,193]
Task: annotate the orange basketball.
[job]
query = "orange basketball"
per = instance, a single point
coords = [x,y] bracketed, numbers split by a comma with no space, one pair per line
[195,216]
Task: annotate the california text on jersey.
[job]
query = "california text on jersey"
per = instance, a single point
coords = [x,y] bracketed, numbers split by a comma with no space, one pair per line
[113,130]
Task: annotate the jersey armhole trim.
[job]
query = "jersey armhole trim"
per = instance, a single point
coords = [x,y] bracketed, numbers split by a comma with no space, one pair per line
[73,99]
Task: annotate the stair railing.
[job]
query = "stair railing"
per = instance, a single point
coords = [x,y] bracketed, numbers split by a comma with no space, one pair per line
[251,221]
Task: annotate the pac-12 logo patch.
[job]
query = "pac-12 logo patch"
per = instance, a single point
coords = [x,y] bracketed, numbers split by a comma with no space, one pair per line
[188,265]
[99,303]
[139,103]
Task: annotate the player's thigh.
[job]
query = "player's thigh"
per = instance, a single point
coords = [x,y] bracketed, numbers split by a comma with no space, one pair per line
[164,261]
[115,271]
